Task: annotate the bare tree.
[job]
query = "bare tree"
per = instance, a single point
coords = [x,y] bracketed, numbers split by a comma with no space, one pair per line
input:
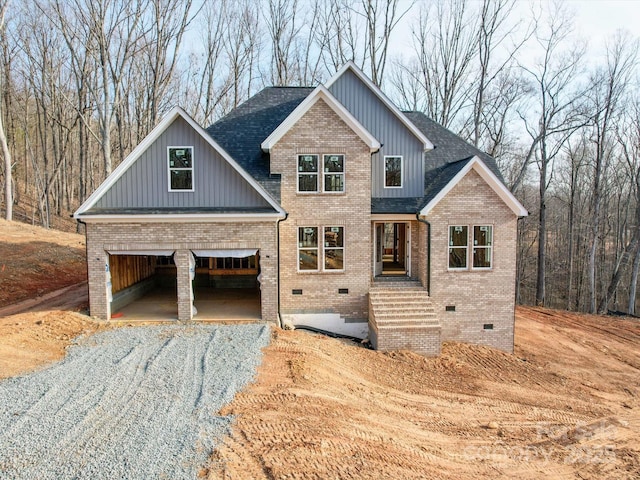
[553,116]
[8,165]
[609,87]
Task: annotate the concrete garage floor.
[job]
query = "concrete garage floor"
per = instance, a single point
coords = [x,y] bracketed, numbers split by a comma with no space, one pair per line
[218,305]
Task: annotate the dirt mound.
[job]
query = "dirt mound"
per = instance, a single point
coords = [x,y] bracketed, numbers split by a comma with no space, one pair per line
[34,261]
[565,405]
[30,340]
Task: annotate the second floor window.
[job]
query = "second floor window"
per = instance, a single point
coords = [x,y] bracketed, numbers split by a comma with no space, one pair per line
[180,168]
[334,173]
[393,172]
[307,173]
[321,173]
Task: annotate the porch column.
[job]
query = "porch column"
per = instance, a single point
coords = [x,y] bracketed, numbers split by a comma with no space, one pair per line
[181,259]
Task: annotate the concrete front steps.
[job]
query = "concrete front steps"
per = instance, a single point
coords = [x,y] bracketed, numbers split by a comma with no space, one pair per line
[402,317]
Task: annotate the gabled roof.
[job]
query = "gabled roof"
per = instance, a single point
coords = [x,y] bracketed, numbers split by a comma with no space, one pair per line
[320,93]
[440,181]
[166,121]
[242,131]
[428,145]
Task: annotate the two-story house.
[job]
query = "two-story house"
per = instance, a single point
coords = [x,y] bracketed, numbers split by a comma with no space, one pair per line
[335,208]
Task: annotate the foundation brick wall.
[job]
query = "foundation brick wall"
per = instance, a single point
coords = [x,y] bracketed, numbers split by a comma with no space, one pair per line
[424,340]
[321,131]
[481,296]
[181,237]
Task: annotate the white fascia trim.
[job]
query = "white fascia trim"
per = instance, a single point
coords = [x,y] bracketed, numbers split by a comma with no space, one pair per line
[321,92]
[380,94]
[488,176]
[148,141]
[392,217]
[181,218]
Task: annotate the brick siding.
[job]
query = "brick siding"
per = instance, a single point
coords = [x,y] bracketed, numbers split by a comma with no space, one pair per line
[321,131]
[480,297]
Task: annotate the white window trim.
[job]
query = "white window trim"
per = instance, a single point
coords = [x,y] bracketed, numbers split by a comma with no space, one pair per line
[192,169]
[490,247]
[321,249]
[466,248]
[343,173]
[324,248]
[317,174]
[384,171]
[299,248]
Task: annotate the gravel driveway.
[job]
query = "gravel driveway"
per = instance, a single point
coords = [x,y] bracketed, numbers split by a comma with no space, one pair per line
[132,403]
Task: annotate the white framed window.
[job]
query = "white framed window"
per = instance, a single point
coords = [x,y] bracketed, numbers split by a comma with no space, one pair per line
[458,247]
[308,249]
[180,165]
[328,256]
[307,173]
[482,246]
[333,248]
[393,172]
[333,173]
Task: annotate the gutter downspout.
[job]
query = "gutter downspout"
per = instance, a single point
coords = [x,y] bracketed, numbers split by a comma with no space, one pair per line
[426,222]
[286,215]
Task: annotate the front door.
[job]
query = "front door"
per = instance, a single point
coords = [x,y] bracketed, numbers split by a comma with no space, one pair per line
[392,248]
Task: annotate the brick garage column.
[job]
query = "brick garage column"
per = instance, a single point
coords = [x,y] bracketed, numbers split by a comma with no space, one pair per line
[269,288]
[97,262]
[181,259]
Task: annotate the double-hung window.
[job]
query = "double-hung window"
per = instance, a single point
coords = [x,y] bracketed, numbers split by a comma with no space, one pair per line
[308,249]
[307,173]
[333,173]
[393,172]
[334,248]
[327,256]
[481,247]
[180,169]
[458,244]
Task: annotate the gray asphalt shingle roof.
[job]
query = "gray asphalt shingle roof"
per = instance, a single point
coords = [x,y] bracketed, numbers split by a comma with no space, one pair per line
[243,130]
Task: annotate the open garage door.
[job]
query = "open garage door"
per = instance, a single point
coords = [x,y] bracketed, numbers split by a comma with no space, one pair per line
[226,285]
[142,284]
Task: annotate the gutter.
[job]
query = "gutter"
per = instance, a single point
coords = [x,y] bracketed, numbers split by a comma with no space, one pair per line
[426,222]
[286,215]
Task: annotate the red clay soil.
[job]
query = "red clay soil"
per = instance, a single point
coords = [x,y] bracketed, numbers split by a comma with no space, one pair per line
[35,261]
[565,405]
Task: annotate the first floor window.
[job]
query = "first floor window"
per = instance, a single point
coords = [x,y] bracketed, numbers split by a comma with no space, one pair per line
[180,168]
[333,248]
[334,173]
[307,173]
[308,248]
[393,172]
[458,243]
[482,246]
[329,254]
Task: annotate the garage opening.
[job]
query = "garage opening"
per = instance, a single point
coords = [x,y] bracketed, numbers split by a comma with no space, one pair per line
[226,285]
[143,285]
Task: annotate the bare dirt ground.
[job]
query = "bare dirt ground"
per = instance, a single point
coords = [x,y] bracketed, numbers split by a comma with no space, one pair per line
[35,261]
[565,405]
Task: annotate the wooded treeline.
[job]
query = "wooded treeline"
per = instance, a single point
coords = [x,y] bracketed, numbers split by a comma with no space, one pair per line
[83,81]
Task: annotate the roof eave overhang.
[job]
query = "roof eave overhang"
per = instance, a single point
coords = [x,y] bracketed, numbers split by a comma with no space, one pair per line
[180,218]
[321,92]
[427,144]
[488,176]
